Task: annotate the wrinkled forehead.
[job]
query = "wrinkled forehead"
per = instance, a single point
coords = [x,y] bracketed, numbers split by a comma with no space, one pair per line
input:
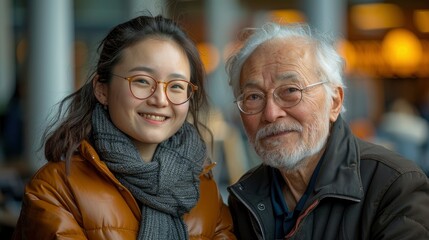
[287,48]
[282,56]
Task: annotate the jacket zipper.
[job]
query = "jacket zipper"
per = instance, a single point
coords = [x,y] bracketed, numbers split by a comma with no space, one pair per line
[301,217]
[250,209]
[310,209]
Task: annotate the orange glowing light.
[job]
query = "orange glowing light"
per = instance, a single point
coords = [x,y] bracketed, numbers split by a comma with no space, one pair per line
[348,52]
[421,19]
[376,16]
[209,56]
[402,51]
[286,16]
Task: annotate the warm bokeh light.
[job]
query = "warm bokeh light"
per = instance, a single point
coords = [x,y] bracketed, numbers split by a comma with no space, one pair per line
[348,52]
[376,16]
[230,49]
[402,51]
[421,20]
[423,70]
[21,51]
[286,16]
[209,55]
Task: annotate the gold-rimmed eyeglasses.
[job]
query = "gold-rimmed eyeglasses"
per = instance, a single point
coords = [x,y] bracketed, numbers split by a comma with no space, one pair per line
[287,96]
[144,86]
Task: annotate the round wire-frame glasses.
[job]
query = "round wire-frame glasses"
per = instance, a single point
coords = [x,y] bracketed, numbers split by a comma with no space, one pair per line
[287,96]
[144,86]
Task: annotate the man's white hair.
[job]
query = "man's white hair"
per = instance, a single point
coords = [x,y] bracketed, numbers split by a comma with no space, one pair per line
[329,63]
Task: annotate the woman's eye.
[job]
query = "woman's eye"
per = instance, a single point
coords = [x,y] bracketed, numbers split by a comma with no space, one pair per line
[177,85]
[142,80]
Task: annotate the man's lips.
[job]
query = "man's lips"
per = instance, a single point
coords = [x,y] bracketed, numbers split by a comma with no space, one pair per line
[277,134]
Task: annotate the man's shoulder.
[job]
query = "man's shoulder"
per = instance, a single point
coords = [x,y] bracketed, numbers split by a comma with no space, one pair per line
[383,158]
[256,171]
[258,175]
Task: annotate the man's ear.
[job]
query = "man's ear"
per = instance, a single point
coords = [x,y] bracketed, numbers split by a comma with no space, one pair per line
[100,90]
[337,103]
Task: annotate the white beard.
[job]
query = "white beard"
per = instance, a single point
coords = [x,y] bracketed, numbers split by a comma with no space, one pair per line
[291,158]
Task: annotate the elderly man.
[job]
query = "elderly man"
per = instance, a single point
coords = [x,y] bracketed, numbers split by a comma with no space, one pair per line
[317,180]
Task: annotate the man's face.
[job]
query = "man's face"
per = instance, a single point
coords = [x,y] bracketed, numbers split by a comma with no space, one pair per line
[283,137]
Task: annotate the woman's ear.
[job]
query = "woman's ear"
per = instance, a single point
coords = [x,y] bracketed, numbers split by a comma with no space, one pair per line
[100,90]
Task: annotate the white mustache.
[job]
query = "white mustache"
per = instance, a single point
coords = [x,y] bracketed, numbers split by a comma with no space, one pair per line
[277,128]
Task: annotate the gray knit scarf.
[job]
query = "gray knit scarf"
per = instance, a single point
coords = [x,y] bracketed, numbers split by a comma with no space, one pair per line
[167,187]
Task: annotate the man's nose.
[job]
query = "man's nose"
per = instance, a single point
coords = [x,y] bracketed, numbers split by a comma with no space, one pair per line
[272,110]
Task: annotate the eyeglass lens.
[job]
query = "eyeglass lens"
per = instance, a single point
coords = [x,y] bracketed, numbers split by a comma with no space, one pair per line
[177,91]
[287,96]
[254,102]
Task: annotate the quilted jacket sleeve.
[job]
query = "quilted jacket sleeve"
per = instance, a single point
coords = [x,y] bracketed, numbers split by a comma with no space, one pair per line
[48,211]
[224,229]
[403,208]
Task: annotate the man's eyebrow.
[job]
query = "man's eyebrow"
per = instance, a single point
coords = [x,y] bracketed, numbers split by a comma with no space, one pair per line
[288,76]
[250,84]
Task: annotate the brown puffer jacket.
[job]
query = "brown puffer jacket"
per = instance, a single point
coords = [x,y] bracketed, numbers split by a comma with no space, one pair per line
[90,203]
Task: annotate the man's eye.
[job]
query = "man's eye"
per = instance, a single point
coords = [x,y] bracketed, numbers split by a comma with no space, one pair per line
[253,97]
[290,90]
[286,91]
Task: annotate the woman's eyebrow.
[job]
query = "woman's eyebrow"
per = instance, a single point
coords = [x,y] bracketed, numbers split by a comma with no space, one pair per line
[152,71]
[142,68]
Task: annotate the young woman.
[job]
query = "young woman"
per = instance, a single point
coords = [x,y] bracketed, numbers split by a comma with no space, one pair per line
[123,161]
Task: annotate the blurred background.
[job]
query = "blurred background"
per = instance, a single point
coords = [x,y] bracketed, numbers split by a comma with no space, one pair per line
[47,48]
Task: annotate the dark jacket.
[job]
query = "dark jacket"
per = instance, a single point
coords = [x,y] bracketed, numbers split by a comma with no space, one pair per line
[363,191]
[90,203]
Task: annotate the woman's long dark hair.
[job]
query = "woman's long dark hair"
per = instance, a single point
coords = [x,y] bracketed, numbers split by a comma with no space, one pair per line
[72,124]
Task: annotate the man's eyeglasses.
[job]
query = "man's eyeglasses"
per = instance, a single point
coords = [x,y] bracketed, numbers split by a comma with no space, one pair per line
[144,86]
[287,96]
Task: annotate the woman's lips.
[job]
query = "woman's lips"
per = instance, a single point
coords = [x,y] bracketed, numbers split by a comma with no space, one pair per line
[153,117]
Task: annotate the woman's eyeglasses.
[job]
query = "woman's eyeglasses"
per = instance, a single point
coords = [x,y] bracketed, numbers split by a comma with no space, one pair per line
[144,86]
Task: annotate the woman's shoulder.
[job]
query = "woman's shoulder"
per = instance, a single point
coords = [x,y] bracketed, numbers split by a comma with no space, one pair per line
[50,170]
[53,175]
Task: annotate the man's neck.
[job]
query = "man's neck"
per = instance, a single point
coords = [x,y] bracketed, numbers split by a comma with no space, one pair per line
[296,181]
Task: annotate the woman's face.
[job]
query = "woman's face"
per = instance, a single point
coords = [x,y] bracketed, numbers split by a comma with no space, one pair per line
[150,121]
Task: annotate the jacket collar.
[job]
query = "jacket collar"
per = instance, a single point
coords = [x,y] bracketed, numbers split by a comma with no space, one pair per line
[89,154]
[340,174]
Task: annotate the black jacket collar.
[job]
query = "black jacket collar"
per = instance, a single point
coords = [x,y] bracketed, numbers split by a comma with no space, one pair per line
[339,174]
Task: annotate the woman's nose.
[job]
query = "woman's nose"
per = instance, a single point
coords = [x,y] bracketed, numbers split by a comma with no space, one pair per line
[159,97]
